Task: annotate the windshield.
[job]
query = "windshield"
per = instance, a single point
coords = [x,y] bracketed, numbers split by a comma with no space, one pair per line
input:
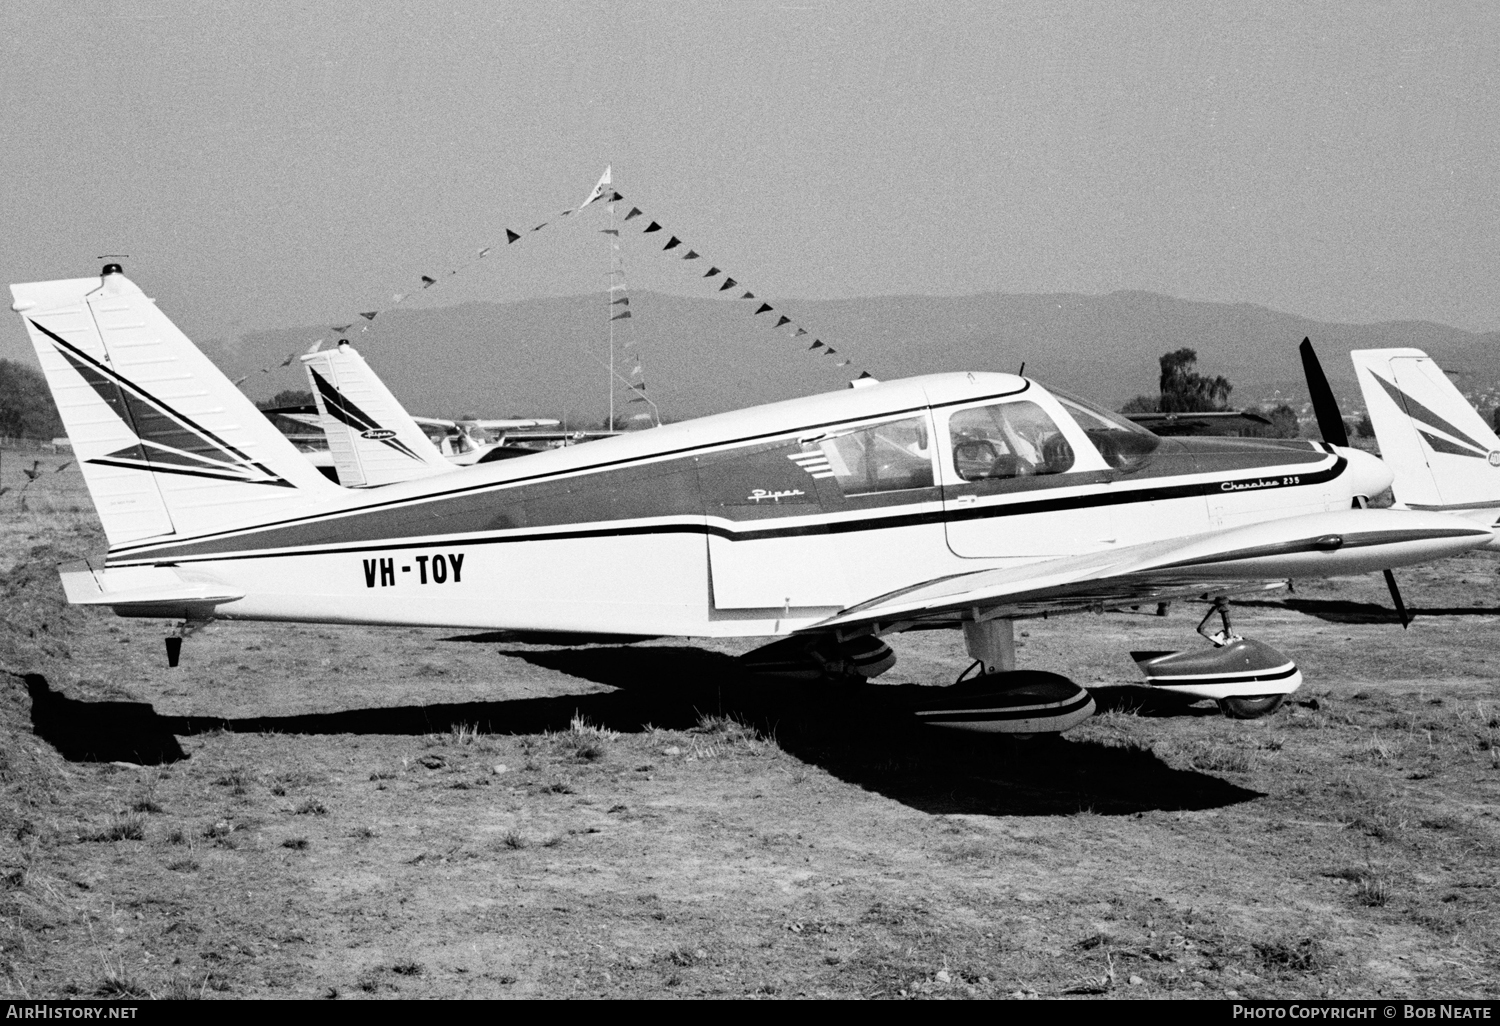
[1123,445]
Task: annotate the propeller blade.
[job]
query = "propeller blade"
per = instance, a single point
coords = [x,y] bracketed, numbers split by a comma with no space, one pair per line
[1330,421]
[1390,582]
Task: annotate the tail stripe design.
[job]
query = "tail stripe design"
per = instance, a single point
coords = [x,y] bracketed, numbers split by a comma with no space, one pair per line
[1465,446]
[169,442]
[346,412]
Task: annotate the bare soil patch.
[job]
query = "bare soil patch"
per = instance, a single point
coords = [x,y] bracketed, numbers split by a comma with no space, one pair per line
[308,811]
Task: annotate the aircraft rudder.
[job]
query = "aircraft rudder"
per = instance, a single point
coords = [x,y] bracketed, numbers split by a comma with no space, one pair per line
[1440,449]
[166,443]
[374,441]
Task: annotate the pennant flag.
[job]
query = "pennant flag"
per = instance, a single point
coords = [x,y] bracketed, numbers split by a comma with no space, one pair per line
[863,375]
[484,251]
[510,236]
[672,243]
[690,255]
[240,381]
[799,333]
[729,283]
[615,197]
[288,361]
[370,316]
[398,297]
[828,350]
[610,231]
[265,370]
[622,301]
[540,226]
[634,212]
[783,320]
[341,328]
[621,316]
[844,363]
[816,345]
[748,295]
[428,281]
[314,347]
[652,227]
[639,399]
[711,272]
[598,189]
[564,213]
[763,308]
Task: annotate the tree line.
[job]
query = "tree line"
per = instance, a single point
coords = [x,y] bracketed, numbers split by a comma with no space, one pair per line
[26,407]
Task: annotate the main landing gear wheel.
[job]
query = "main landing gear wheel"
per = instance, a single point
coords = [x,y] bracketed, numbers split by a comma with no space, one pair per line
[1250,707]
[1025,705]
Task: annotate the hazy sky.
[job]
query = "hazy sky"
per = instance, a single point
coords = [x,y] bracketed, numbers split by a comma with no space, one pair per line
[274,164]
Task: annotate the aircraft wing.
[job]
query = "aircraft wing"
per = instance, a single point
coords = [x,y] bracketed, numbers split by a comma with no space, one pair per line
[310,419]
[435,422]
[1198,423]
[512,424]
[1240,559]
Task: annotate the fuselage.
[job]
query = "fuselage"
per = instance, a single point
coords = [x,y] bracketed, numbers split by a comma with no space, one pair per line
[757,522]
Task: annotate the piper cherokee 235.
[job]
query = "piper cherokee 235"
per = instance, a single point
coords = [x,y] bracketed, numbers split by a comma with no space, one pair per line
[967,500]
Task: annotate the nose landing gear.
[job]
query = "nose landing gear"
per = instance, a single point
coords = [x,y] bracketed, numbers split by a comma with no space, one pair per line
[1248,678]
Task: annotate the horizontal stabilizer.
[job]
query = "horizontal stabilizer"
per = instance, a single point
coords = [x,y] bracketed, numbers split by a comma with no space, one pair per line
[143,586]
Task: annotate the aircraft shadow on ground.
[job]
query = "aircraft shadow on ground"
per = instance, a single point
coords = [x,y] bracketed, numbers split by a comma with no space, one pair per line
[1345,611]
[860,733]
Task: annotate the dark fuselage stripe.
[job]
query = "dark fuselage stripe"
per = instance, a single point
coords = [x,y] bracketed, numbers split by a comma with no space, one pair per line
[567,472]
[925,518]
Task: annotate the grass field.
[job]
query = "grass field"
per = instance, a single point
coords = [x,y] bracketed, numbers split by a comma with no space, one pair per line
[351,812]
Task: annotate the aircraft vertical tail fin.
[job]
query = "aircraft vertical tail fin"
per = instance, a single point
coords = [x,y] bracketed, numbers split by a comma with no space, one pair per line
[168,446]
[1442,452]
[372,438]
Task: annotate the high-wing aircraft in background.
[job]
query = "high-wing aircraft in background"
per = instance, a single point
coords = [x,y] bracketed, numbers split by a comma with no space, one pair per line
[962,500]
[372,438]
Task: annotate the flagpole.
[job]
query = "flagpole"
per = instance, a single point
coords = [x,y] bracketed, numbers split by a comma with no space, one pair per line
[609,310]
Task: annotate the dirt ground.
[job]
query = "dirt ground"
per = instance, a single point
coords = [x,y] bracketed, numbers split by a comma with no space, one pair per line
[350,812]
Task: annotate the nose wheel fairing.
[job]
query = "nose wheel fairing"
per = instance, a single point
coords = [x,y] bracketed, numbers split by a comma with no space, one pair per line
[1242,668]
[1243,675]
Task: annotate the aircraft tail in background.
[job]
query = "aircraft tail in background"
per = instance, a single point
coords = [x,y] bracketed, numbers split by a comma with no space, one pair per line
[374,441]
[168,446]
[1443,454]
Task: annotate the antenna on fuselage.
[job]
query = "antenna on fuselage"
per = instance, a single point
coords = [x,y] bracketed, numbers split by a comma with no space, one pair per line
[1022,370]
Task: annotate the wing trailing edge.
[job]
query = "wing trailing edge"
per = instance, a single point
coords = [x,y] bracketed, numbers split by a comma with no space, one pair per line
[1242,559]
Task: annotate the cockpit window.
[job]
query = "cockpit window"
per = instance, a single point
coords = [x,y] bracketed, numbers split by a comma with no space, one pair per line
[1006,440]
[1123,444]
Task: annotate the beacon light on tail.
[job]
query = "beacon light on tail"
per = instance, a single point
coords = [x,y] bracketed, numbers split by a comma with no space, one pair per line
[824,524]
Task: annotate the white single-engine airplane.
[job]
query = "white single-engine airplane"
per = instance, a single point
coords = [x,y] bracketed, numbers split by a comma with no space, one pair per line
[964,500]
